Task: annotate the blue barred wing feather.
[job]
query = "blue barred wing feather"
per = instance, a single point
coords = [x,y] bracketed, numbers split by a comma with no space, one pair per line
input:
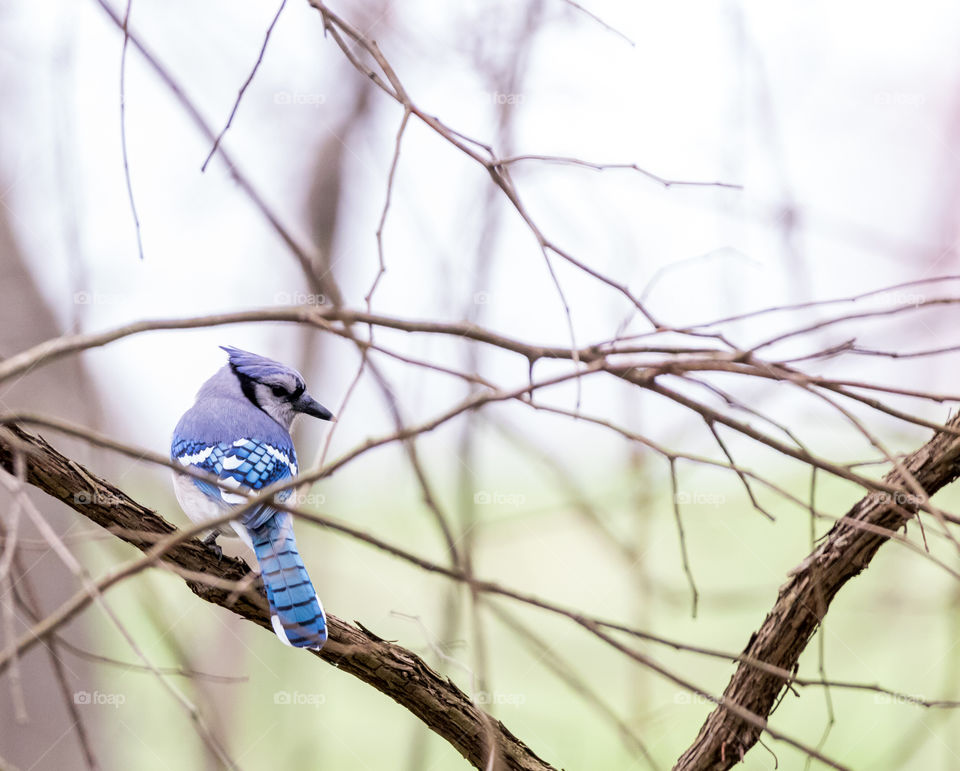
[245,464]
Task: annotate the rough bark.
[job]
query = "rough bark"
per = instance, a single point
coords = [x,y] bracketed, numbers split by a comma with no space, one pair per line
[804,599]
[390,668]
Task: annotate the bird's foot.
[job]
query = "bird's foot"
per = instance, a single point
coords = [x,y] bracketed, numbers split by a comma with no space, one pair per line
[211,543]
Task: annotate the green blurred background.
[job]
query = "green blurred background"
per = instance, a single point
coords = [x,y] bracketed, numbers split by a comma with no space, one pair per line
[896,625]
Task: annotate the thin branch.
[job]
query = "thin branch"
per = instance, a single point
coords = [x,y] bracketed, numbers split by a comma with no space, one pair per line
[123,126]
[246,84]
[599,21]
[665,181]
[685,558]
[567,672]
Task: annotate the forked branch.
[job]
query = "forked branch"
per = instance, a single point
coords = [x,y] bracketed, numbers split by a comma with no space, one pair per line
[804,599]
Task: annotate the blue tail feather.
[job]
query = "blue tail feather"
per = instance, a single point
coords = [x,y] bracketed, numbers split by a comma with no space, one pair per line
[295,609]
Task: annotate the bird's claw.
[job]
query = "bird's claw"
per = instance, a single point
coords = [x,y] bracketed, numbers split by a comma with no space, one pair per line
[211,543]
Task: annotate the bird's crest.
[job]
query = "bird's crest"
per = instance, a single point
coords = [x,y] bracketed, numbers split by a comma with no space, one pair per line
[257,367]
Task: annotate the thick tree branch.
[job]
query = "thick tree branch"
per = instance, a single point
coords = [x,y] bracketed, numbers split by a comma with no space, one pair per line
[804,599]
[390,668]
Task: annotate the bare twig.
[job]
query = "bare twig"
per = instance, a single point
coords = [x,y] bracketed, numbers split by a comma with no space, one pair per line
[123,127]
[243,88]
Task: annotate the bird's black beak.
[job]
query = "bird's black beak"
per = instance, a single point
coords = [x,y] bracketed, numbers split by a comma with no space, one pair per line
[310,406]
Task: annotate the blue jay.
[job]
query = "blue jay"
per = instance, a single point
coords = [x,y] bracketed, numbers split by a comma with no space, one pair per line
[239,430]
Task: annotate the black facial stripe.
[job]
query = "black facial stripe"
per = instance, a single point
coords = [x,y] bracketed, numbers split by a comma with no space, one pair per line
[247,386]
[298,393]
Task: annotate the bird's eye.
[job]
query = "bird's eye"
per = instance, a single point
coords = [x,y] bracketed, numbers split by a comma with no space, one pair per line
[279,391]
